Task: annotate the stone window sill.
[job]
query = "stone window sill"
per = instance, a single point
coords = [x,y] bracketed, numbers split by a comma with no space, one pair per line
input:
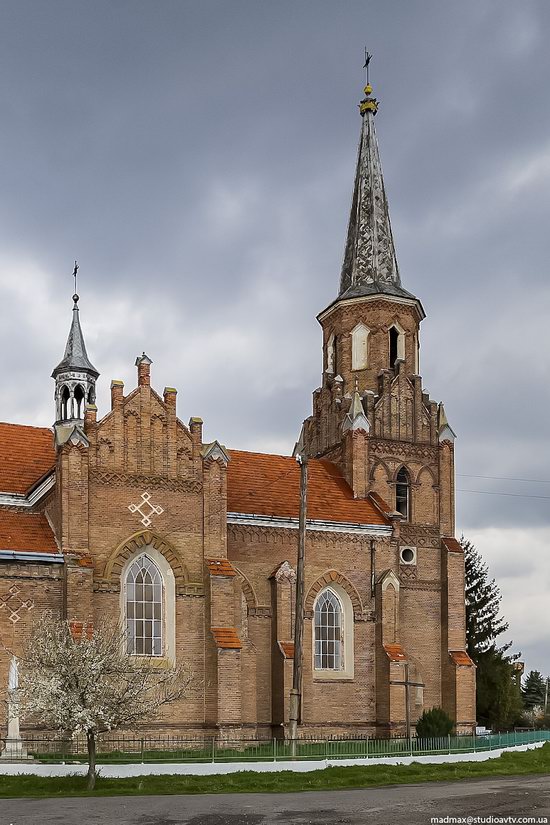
[339,676]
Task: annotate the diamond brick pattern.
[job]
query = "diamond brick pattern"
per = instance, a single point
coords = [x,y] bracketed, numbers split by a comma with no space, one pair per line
[13,603]
[146,509]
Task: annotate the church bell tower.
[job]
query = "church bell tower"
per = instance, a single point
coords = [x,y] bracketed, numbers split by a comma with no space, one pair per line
[75,377]
[371,415]
[374,420]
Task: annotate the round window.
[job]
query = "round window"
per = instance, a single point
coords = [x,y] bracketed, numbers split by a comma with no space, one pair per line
[407,555]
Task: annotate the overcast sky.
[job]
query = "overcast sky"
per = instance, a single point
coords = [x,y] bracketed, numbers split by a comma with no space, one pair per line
[198,158]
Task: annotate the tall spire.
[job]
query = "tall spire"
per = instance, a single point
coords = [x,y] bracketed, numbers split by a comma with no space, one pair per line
[370,263]
[75,357]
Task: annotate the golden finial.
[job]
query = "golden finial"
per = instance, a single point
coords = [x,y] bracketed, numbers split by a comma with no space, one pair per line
[368,104]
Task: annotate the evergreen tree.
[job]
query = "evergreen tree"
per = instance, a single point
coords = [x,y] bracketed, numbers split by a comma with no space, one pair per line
[534,689]
[499,703]
[483,623]
[434,722]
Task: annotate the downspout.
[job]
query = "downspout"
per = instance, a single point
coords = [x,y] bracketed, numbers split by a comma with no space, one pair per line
[64,591]
[372,566]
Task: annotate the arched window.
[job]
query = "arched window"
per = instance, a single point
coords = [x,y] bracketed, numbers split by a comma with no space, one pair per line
[65,396]
[402,493]
[144,608]
[335,355]
[79,401]
[329,635]
[359,347]
[396,344]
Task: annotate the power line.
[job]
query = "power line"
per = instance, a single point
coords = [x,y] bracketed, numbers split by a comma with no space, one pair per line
[492,493]
[506,478]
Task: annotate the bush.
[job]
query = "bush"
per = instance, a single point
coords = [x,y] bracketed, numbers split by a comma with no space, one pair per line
[434,722]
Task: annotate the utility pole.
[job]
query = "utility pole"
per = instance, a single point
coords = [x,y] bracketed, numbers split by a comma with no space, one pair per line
[296,691]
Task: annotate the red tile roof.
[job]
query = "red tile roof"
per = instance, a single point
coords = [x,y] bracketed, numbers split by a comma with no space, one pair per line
[26,454]
[452,545]
[381,504]
[226,638]
[269,485]
[460,657]
[26,532]
[220,567]
[395,653]
[287,649]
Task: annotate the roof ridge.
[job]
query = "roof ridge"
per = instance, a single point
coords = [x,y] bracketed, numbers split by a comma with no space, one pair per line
[257,452]
[26,426]
[287,457]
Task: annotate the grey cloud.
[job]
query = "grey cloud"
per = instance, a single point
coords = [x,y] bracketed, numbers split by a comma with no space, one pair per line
[198,159]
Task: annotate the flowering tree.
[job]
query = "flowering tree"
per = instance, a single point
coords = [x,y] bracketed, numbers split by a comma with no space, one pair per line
[85,682]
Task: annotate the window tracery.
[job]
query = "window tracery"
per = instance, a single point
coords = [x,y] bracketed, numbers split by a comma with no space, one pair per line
[144,608]
[329,638]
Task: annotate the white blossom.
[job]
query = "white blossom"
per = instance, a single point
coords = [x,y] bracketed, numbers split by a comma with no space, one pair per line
[85,682]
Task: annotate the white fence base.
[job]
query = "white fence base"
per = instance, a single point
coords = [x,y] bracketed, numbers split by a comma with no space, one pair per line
[212,768]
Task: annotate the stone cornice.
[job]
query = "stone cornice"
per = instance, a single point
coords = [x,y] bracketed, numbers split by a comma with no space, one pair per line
[413,303]
[312,525]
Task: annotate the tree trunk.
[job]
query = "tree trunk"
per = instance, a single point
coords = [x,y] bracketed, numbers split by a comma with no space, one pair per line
[90,739]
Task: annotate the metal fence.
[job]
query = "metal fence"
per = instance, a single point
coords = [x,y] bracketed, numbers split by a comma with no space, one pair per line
[127,749]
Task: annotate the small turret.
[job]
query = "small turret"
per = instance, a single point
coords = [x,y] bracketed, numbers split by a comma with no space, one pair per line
[75,377]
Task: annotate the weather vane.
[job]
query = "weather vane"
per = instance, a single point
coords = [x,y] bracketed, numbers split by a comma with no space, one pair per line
[75,273]
[368,58]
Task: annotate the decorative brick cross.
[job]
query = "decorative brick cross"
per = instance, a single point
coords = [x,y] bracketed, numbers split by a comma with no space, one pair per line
[151,508]
[13,603]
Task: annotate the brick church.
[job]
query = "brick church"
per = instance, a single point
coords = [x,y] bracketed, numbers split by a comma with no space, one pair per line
[193,546]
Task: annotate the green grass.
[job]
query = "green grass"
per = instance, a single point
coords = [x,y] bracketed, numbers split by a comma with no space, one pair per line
[509,764]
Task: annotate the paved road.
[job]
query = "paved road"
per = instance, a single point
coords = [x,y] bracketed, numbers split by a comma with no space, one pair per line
[396,805]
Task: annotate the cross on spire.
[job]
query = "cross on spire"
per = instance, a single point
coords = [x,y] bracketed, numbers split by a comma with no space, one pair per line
[368,58]
[75,273]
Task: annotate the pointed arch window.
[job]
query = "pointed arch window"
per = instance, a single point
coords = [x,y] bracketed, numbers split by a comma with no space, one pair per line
[403,493]
[144,608]
[65,398]
[335,355]
[396,344]
[329,637]
[78,402]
